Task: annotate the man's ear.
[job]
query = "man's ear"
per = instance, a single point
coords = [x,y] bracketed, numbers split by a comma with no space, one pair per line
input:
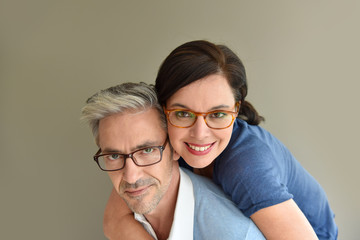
[176,156]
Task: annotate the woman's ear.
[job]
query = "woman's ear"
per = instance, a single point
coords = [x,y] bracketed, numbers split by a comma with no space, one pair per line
[237,107]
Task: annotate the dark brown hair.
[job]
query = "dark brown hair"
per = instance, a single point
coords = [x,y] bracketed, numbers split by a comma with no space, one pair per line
[197,59]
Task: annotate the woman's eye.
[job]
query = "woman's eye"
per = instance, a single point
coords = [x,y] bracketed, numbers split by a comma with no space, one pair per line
[218,115]
[184,114]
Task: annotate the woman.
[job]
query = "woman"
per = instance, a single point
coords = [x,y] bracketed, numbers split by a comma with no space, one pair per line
[202,87]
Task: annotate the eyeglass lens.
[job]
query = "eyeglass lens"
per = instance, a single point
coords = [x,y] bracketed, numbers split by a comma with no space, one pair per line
[218,119]
[142,157]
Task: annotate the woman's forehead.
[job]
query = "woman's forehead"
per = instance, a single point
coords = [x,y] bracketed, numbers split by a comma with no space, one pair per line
[204,94]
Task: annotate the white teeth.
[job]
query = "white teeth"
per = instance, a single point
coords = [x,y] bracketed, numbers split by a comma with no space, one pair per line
[199,149]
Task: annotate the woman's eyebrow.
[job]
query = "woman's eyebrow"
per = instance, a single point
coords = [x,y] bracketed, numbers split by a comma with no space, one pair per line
[179,105]
[218,107]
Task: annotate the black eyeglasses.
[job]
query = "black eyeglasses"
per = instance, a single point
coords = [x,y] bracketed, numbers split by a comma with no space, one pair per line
[142,157]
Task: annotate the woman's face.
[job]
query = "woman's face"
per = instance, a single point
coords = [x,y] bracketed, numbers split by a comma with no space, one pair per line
[199,145]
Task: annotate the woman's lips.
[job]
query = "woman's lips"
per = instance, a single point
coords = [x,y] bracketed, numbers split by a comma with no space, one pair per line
[199,149]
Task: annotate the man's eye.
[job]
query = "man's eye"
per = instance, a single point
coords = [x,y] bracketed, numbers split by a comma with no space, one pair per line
[113,157]
[218,115]
[184,114]
[148,150]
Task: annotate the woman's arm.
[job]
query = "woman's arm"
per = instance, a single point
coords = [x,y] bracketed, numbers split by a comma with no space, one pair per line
[283,221]
[119,221]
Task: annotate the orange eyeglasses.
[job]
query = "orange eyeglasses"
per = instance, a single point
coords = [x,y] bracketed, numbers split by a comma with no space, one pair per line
[217,119]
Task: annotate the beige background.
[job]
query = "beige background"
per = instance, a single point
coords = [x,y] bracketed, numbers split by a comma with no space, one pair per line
[302,59]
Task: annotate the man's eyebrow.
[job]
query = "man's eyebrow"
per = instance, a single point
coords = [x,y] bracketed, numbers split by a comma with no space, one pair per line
[110,150]
[137,147]
[147,144]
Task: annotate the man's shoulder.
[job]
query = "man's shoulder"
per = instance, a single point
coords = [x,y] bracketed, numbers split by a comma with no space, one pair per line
[216,216]
[204,186]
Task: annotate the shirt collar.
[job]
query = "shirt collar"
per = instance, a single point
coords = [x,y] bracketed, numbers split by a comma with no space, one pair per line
[183,223]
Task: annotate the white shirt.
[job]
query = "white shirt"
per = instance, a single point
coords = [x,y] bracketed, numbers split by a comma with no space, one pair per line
[183,223]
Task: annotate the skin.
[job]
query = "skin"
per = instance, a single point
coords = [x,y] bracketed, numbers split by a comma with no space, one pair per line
[208,94]
[281,221]
[118,214]
[150,190]
[205,95]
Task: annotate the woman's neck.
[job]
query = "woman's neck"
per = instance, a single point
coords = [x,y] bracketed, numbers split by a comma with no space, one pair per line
[206,171]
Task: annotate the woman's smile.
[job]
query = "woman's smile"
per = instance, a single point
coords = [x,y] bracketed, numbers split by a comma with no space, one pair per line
[200,149]
[199,144]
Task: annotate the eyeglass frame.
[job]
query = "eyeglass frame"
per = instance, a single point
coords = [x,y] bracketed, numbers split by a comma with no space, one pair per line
[204,114]
[130,155]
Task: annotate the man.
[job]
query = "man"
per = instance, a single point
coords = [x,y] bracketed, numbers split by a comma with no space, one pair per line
[171,203]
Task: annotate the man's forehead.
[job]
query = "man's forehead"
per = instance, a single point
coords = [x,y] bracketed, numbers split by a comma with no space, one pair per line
[129,131]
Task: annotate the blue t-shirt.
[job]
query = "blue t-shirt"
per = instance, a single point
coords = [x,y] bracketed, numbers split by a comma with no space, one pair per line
[258,171]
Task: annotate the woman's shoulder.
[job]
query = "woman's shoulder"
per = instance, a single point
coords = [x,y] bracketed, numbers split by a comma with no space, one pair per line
[248,138]
[243,129]
[251,149]
[253,138]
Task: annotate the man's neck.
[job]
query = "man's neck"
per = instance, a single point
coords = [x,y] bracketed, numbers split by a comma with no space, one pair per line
[162,216]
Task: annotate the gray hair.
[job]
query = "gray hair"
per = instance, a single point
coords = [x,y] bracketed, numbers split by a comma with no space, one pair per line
[133,97]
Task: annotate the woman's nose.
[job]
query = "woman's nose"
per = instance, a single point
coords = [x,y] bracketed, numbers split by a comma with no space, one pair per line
[199,130]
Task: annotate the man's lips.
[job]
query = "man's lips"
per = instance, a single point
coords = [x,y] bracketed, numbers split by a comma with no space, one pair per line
[135,192]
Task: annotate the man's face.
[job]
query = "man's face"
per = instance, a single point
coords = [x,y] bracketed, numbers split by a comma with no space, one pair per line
[141,187]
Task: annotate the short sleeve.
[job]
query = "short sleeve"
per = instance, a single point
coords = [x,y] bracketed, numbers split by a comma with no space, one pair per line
[250,173]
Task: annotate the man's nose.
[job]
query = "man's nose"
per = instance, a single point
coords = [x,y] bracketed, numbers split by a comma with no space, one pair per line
[131,172]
